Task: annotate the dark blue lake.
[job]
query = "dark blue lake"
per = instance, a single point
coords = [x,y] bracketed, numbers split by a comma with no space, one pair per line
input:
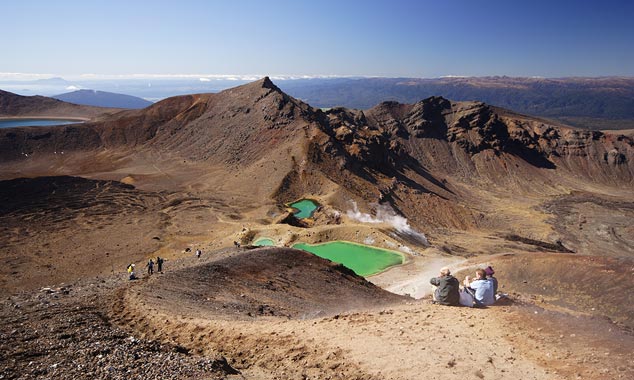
[9,123]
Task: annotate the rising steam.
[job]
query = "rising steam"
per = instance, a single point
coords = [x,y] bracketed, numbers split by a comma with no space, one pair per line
[385,214]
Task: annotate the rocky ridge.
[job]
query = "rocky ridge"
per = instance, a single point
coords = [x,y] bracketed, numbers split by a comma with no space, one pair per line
[246,122]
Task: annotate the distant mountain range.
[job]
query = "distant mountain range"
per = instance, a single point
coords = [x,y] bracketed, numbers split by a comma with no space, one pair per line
[103,99]
[14,105]
[590,103]
[258,122]
[593,103]
[430,161]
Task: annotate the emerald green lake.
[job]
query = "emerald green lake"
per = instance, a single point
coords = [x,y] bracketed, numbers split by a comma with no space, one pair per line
[305,208]
[364,260]
[264,242]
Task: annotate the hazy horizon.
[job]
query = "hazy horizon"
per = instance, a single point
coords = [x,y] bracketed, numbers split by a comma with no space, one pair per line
[30,77]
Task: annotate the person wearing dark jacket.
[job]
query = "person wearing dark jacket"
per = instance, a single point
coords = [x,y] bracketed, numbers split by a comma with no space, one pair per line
[447,288]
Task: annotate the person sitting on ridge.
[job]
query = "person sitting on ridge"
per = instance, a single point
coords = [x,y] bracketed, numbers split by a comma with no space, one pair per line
[490,272]
[446,288]
[481,288]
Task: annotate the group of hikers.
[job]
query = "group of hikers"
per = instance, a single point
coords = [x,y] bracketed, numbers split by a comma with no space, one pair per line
[480,291]
[477,292]
[150,267]
[151,263]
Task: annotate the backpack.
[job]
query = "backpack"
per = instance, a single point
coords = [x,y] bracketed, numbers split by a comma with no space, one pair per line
[466,298]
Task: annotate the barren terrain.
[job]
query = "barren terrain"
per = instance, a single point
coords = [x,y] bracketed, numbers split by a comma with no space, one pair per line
[548,206]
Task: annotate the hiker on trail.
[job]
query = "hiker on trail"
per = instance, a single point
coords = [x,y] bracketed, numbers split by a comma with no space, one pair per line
[130,270]
[159,264]
[481,288]
[446,288]
[150,267]
[490,272]
[198,253]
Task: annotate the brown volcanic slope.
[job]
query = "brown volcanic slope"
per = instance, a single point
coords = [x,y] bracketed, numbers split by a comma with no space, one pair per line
[461,167]
[266,282]
[243,125]
[14,105]
[58,228]
[202,171]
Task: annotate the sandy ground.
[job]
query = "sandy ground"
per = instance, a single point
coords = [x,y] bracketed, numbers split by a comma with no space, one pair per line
[560,323]
[525,339]
[529,338]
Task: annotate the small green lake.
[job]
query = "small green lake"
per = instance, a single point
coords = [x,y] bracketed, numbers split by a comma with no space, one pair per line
[264,242]
[364,260]
[305,208]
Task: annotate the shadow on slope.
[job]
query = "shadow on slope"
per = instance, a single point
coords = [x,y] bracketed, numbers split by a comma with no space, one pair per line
[279,282]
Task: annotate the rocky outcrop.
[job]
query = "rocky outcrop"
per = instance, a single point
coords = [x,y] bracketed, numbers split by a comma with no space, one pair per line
[465,130]
[434,138]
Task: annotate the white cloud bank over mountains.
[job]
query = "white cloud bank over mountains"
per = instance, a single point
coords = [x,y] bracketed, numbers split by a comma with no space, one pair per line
[6,76]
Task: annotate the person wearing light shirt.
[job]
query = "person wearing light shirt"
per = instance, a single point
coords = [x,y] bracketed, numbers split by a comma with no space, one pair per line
[481,288]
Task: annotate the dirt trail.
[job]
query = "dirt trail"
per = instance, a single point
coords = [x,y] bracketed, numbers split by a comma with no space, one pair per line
[392,343]
[397,341]
[209,170]
[400,343]
[413,278]
[528,339]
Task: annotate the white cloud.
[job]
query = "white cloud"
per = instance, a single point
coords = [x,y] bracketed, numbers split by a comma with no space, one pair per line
[73,88]
[212,77]
[199,77]
[24,76]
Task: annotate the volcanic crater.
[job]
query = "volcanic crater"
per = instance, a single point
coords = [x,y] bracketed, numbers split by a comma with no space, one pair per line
[547,205]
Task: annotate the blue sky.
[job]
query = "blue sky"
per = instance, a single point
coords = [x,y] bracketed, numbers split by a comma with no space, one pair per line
[279,37]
